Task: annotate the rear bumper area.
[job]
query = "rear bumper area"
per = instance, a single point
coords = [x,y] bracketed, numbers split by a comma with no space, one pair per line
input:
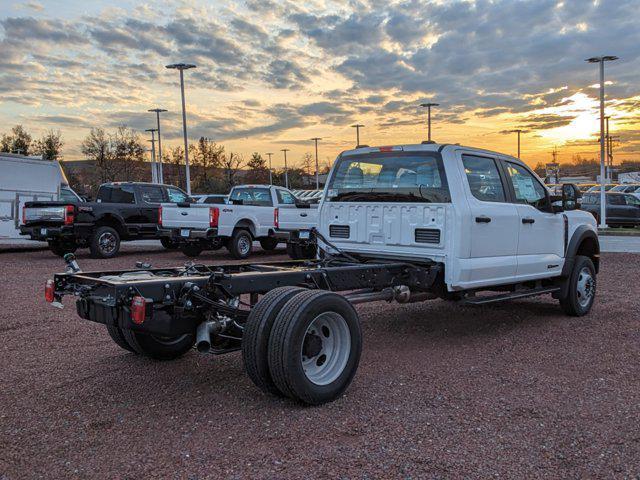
[295,236]
[45,233]
[176,234]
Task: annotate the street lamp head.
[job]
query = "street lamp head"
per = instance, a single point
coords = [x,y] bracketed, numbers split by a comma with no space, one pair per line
[604,58]
[151,130]
[429,105]
[316,139]
[157,110]
[357,125]
[181,66]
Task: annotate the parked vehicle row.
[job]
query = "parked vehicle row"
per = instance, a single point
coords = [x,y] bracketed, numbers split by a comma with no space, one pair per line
[622,209]
[406,223]
[266,213]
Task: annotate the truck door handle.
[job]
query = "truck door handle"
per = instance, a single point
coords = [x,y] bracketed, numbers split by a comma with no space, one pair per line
[303,214]
[483,219]
[528,220]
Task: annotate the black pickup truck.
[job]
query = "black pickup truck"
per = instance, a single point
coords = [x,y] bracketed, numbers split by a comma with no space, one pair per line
[122,211]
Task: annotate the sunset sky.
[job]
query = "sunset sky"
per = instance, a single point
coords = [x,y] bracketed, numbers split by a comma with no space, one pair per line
[272,74]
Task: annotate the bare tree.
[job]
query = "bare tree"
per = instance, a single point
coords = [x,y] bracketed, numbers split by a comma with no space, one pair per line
[231,165]
[96,147]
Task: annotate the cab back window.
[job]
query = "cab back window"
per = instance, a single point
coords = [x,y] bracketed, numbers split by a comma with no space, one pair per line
[252,196]
[116,194]
[389,177]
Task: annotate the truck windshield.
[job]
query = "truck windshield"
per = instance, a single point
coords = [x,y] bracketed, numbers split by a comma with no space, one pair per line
[389,177]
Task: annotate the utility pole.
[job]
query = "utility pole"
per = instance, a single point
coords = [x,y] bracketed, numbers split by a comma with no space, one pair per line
[286,170]
[600,60]
[315,139]
[357,126]
[428,107]
[154,170]
[160,173]
[270,171]
[181,67]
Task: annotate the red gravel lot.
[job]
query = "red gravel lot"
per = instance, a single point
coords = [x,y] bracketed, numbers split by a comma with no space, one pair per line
[514,390]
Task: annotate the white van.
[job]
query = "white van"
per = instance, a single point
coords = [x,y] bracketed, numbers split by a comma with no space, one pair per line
[25,179]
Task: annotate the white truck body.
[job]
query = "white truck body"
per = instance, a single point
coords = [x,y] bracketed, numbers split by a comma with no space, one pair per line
[482,240]
[263,210]
[26,179]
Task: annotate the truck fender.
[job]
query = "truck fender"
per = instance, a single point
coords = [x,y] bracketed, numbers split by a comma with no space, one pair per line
[111,219]
[246,224]
[584,241]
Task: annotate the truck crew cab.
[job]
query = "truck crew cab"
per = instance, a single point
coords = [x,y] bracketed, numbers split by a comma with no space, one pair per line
[403,223]
[122,211]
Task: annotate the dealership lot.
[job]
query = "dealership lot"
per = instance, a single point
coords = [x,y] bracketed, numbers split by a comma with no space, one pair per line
[516,390]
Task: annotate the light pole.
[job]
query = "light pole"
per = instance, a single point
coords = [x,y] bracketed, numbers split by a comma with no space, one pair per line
[357,126]
[270,171]
[154,170]
[315,139]
[182,67]
[518,131]
[428,107]
[286,171]
[601,60]
[160,173]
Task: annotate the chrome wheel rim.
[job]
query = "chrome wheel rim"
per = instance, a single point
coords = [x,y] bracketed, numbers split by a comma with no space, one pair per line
[107,242]
[585,287]
[244,245]
[326,348]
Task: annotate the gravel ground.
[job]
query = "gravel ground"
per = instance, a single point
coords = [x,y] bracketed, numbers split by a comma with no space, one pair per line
[443,391]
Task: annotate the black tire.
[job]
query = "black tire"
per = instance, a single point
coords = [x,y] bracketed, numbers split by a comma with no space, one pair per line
[255,339]
[216,244]
[105,243]
[159,348]
[292,251]
[289,341]
[169,244]
[240,244]
[62,248]
[117,335]
[269,243]
[576,303]
[191,249]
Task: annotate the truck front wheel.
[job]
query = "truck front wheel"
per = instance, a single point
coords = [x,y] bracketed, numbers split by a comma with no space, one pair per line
[169,244]
[240,244]
[268,243]
[62,248]
[159,347]
[191,249]
[315,346]
[105,243]
[581,288]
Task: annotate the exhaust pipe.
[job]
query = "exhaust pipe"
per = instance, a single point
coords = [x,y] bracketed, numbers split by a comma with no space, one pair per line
[401,294]
[203,336]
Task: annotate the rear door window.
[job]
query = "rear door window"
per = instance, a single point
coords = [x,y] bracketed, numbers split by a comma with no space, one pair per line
[484,178]
[116,194]
[151,194]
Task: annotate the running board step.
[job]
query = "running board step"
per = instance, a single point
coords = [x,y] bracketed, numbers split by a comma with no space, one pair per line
[473,300]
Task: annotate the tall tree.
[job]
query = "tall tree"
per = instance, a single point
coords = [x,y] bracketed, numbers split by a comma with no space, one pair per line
[18,141]
[307,164]
[231,165]
[49,145]
[129,154]
[207,157]
[257,169]
[95,147]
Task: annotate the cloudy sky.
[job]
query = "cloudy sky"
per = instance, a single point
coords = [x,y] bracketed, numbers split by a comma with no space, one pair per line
[272,74]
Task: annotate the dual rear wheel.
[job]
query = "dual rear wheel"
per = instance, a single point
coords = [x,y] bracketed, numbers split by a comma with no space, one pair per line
[302,344]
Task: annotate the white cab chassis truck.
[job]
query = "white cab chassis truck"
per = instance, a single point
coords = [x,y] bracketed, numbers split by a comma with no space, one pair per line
[403,223]
[266,213]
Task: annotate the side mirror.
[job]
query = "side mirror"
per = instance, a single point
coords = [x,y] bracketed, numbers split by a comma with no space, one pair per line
[570,196]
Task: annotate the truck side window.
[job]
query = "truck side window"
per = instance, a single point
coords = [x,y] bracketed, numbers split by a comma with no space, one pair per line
[151,194]
[116,194]
[527,188]
[285,198]
[176,195]
[484,179]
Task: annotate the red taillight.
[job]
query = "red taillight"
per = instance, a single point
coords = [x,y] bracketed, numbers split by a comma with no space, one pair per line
[24,215]
[214,216]
[276,218]
[160,216]
[138,310]
[68,215]
[50,291]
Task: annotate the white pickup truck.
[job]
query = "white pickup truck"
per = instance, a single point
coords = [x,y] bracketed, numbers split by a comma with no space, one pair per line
[407,223]
[266,213]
